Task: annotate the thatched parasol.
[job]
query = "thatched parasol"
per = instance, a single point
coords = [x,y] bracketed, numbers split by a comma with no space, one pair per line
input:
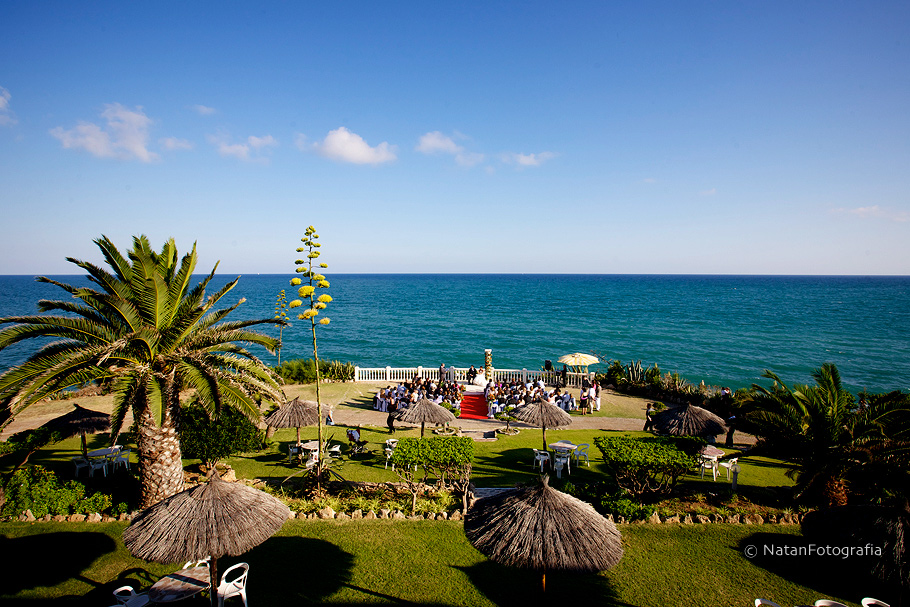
[423,411]
[294,414]
[543,529]
[214,519]
[542,414]
[689,420]
[80,421]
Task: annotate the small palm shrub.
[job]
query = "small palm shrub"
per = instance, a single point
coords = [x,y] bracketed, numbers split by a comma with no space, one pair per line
[303,371]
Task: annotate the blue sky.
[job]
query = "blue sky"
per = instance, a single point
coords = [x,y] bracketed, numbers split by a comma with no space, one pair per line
[537,137]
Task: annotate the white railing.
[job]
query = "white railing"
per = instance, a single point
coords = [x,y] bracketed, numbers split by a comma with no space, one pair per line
[460,375]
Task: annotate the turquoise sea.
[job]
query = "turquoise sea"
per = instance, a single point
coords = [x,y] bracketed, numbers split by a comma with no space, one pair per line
[721,329]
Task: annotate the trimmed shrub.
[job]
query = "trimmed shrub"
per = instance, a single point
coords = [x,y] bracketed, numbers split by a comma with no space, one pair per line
[645,466]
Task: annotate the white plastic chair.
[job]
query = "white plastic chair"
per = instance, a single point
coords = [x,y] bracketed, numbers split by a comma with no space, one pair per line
[540,457]
[235,587]
[125,595]
[728,465]
[766,602]
[335,450]
[80,462]
[388,457]
[828,603]
[94,464]
[582,451]
[312,460]
[199,563]
[707,463]
[870,602]
[121,459]
[560,461]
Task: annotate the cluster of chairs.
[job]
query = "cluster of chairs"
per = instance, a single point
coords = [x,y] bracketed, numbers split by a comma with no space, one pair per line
[562,459]
[118,457]
[712,465]
[866,602]
[233,583]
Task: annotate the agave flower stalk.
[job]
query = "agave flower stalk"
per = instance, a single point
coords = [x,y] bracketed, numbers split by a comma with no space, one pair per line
[314,280]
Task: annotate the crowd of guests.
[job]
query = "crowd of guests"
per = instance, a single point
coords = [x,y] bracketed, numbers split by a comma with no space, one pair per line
[503,395]
[393,398]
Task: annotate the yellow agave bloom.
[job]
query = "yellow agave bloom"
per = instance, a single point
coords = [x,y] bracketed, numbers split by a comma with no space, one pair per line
[320,306]
[310,313]
[305,291]
[318,277]
[295,304]
[324,298]
[324,321]
[323,265]
[324,284]
[295,281]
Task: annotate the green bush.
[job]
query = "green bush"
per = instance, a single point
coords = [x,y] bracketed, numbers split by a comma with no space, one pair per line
[645,466]
[214,439]
[303,371]
[37,489]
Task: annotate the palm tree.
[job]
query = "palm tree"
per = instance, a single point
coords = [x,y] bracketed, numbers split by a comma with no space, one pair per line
[824,433]
[143,329]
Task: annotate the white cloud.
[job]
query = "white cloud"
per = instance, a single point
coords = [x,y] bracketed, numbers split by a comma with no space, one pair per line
[345,146]
[173,143]
[527,160]
[251,150]
[126,135]
[710,192]
[435,142]
[876,212]
[6,114]
[262,142]
[204,110]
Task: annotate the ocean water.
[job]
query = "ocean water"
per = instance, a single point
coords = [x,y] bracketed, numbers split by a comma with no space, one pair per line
[724,330]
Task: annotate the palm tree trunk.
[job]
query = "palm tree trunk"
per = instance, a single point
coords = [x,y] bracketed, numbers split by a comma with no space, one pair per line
[160,463]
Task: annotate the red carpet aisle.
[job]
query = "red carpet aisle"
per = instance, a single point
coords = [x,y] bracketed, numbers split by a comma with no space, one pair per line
[474,406]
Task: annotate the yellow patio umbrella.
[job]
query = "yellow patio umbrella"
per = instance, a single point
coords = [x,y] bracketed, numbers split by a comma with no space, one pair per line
[578,360]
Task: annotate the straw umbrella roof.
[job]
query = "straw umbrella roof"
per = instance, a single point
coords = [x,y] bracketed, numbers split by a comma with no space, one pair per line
[423,411]
[214,519]
[294,414]
[80,421]
[543,415]
[689,420]
[543,529]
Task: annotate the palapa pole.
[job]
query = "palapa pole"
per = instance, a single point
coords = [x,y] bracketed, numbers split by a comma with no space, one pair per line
[213,580]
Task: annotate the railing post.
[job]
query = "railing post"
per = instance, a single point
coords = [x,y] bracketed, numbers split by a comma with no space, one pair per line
[356,374]
[388,373]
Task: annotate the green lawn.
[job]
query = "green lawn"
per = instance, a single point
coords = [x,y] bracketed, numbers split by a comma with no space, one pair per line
[431,563]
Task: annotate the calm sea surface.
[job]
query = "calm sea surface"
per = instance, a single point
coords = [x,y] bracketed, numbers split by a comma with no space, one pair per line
[721,329]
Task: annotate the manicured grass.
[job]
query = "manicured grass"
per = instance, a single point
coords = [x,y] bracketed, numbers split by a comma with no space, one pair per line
[431,563]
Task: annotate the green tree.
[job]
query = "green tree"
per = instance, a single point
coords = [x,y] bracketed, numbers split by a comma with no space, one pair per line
[144,328]
[827,436]
[315,280]
[214,438]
